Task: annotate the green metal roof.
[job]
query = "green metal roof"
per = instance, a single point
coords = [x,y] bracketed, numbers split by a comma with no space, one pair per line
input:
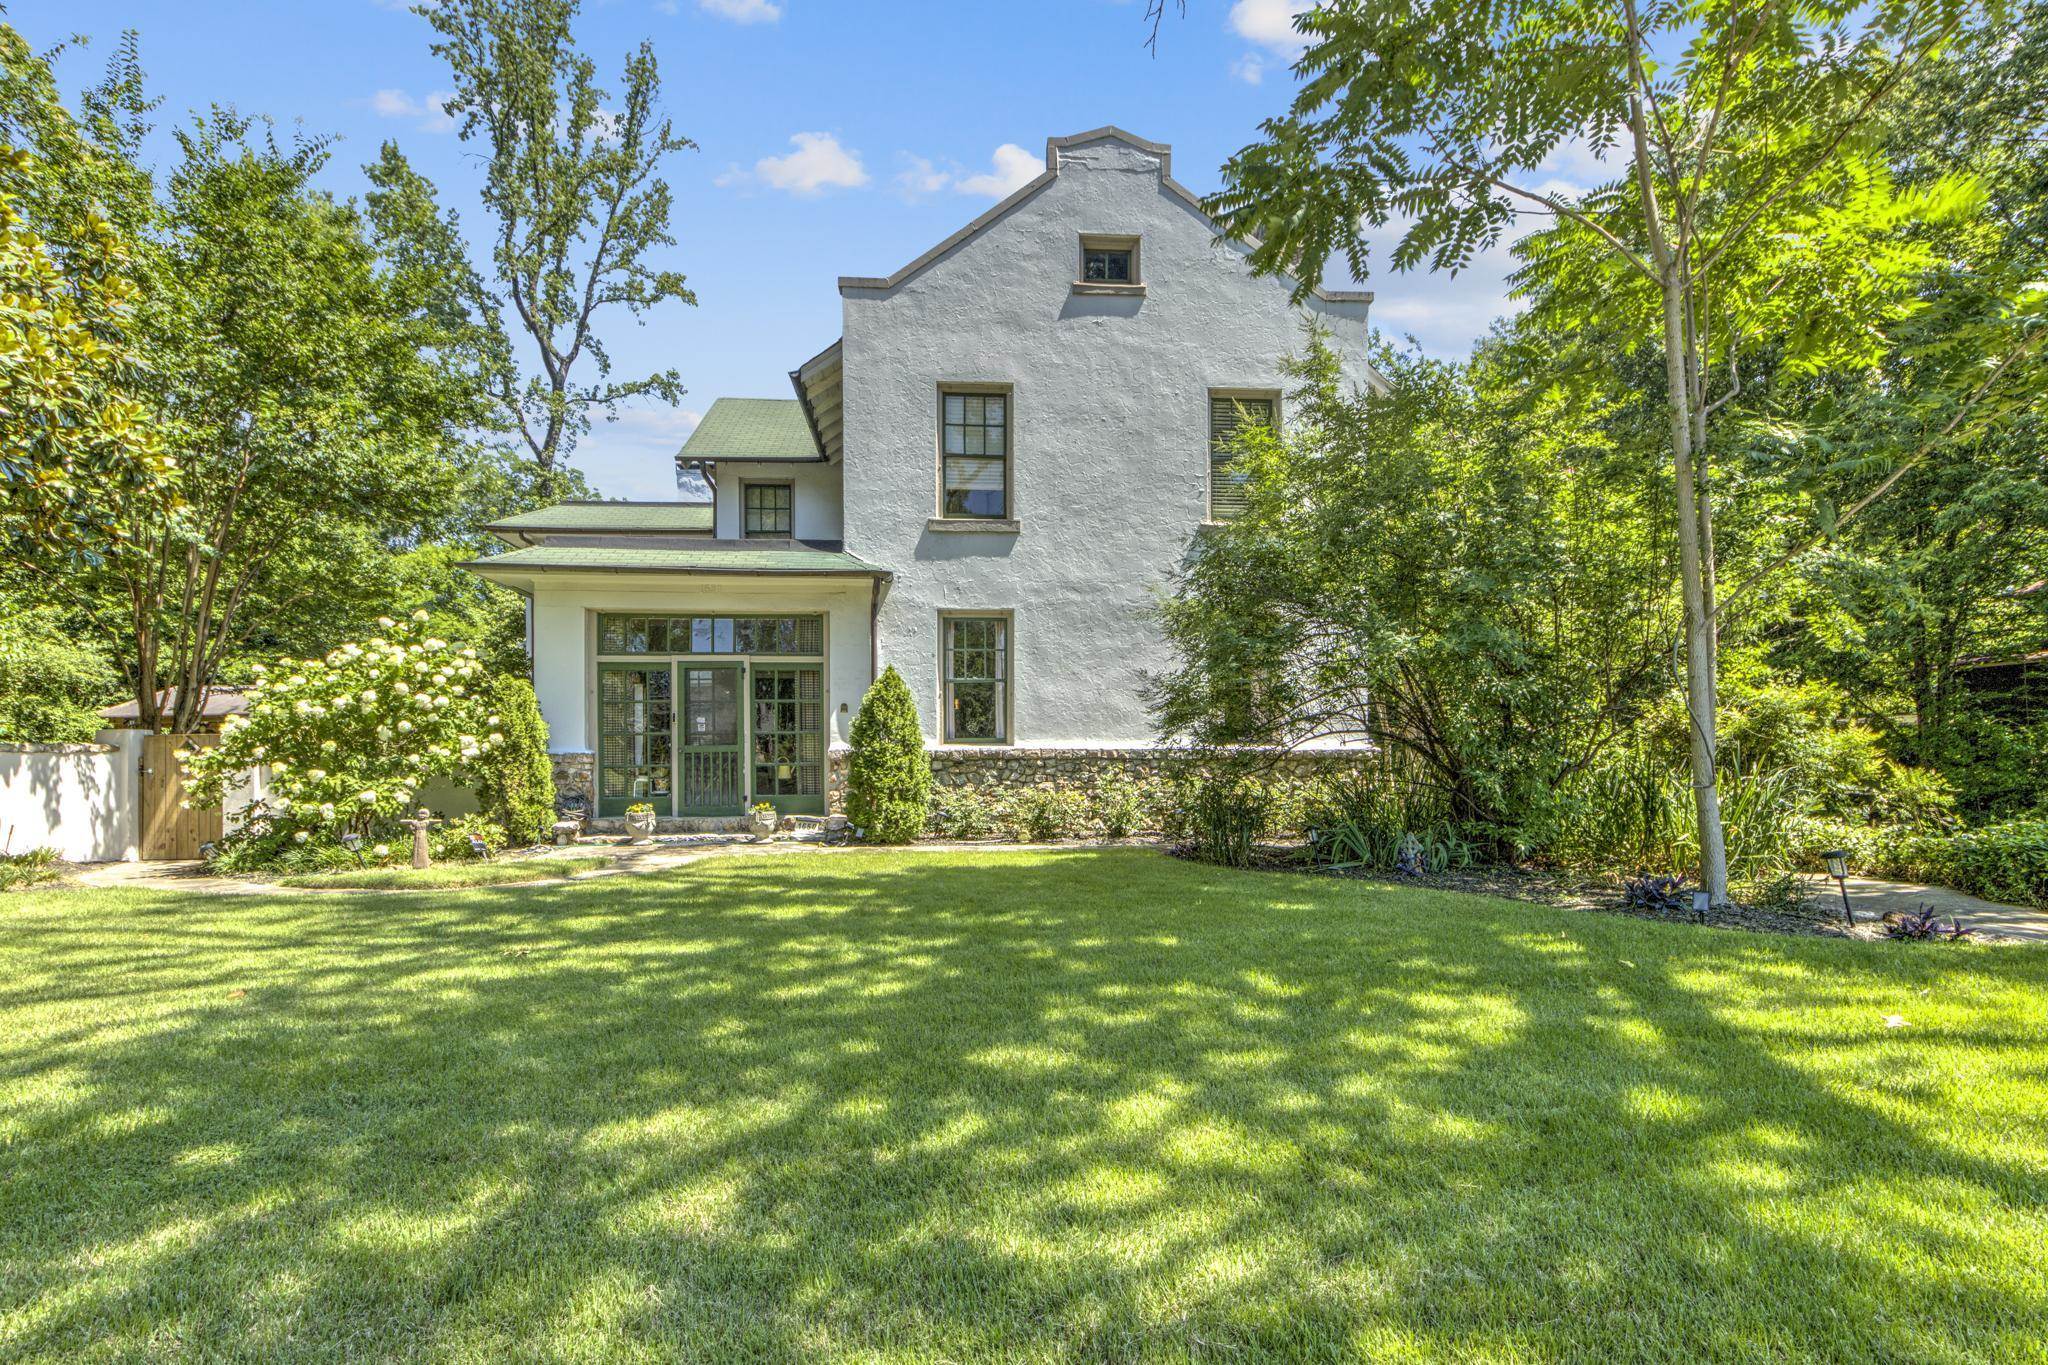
[713,557]
[753,429]
[665,518]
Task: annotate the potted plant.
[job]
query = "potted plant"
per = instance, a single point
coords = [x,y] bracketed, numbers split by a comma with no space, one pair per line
[640,822]
[762,820]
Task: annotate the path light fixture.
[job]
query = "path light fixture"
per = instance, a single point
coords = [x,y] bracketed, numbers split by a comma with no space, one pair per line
[354,844]
[1702,903]
[1838,868]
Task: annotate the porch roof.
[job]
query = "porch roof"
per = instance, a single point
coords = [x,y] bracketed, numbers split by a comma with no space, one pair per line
[781,558]
[752,429]
[618,518]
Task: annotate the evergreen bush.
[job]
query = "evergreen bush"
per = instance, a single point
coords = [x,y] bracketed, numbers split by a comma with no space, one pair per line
[888,774]
[517,789]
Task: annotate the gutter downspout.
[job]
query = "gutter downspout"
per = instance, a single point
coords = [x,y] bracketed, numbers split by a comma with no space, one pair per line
[874,634]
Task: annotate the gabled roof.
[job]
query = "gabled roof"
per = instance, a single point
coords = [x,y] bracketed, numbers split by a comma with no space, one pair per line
[1053,147]
[752,429]
[712,557]
[819,385]
[609,518]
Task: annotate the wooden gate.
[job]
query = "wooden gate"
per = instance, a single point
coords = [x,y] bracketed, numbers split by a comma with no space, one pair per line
[168,830]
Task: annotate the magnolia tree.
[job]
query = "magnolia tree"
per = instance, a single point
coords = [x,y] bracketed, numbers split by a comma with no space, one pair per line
[350,738]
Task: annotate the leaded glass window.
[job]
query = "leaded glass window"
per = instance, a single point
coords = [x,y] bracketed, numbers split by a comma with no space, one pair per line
[976,650]
[975,446]
[801,635]
[769,509]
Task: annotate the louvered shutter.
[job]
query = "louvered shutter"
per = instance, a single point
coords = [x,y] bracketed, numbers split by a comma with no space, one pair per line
[1226,483]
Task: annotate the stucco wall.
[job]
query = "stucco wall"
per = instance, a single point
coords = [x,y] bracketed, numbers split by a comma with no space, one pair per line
[1109,433]
[565,625]
[814,494]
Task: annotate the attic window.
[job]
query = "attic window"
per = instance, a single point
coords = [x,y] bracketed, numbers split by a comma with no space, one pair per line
[1109,263]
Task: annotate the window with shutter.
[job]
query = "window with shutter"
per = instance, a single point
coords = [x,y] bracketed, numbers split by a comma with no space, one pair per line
[1229,414]
[974,455]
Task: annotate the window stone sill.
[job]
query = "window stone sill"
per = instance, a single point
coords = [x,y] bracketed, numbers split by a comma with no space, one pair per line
[1121,291]
[972,526]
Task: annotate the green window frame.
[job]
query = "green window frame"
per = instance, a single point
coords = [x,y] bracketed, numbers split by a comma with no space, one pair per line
[975,654]
[1230,414]
[768,509]
[974,454]
[621,633]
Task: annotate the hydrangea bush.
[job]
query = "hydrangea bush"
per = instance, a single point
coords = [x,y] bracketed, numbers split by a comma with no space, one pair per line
[350,738]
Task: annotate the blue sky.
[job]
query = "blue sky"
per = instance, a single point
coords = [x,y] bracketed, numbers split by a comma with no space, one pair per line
[837,137]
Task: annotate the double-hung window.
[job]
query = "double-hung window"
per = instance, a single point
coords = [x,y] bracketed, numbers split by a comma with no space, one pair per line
[770,509]
[974,454]
[975,658]
[1230,414]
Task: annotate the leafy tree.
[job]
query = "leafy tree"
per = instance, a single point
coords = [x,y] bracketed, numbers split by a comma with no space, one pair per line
[888,774]
[79,454]
[52,683]
[579,202]
[1751,197]
[1466,567]
[518,786]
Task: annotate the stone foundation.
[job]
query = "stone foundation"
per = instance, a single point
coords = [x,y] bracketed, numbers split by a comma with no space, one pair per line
[575,772]
[998,767]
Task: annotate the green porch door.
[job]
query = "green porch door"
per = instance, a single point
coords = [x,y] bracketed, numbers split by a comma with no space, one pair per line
[635,737]
[713,770]
[789,738]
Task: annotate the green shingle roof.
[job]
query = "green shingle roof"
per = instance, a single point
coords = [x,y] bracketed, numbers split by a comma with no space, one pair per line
[752,429]
[666,518]
[713,557]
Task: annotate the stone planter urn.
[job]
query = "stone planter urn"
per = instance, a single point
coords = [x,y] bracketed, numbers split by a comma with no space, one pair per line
[640,824]
[762,821]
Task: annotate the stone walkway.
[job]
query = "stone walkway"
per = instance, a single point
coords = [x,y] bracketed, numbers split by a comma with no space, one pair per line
[1872,899]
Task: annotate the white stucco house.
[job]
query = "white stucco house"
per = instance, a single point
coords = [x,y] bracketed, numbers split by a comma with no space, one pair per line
[986,481]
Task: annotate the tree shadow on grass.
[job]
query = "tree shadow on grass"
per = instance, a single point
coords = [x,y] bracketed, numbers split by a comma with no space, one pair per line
[1096,1104]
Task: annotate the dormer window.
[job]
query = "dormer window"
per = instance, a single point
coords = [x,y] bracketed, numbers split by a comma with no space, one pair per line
[1109,264]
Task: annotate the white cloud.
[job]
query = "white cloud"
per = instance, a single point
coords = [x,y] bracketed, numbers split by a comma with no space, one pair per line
[431,112]
[818,164]
[1269,23]
[1250,68]
[1011,169]
[743,11]
[919,177]
[634,455]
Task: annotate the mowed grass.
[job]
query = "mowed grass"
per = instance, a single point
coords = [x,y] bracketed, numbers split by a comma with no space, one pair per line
[445,875]
[1088,1104]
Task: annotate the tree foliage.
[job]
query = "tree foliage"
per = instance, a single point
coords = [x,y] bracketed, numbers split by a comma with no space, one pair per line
[518,786]
[888,774]
[575,189]
[52,682]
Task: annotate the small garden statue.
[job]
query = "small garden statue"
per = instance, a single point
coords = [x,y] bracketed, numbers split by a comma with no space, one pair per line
[419,825]
[763,820]
[1408,858]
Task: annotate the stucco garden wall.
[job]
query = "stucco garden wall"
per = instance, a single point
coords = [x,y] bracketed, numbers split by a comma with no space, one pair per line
[1109,434]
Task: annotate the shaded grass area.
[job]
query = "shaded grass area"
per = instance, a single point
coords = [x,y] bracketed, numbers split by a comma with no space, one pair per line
[1041,1105]
[444,875]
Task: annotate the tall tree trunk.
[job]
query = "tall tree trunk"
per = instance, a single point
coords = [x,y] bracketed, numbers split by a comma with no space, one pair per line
[1700,662]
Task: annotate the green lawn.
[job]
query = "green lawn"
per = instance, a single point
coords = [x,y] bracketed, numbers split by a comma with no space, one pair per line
[1091,1104]
[445,875]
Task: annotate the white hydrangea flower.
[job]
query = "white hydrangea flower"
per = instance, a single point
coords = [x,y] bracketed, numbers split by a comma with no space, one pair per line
[328,746]
[326,810]
[469,654]
[315,774]
[382,850]
[386,622]
[432,643]
[497,738]
[420,615]
[301,837]
[367,798]
[298,680]
[401,687]
[383,732]
[405,727]
[259,751]
[440,701]
[493,720]
[341,702]
[369,697]
[258,669]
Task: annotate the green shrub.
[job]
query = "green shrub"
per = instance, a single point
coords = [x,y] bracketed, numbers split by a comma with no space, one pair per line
[51,680]
[1359,819]
[965,813]
[888,773]
[2007,862]
[29,868]
[1039,815]
[1221,813]
[1116,806]
[449,843]
[517,788]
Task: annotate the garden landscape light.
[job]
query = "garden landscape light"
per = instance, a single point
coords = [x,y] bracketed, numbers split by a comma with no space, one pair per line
[1838,868]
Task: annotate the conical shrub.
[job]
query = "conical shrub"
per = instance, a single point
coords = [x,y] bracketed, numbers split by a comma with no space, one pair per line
[888,774]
